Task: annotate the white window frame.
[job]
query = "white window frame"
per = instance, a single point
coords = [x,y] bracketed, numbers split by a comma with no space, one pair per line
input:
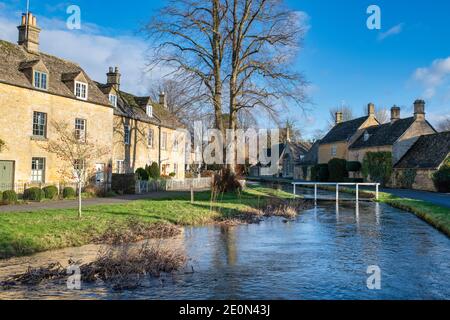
[164,141]
[86,93]
[40,80]
[149,111]
[151,138]
[127,134]
[120,166]
[334,151]
[80,129]
[37,170]
[37,125]
[113,100]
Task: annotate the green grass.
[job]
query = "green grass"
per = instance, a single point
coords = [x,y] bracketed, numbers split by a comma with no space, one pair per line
[437,216]
[30,232]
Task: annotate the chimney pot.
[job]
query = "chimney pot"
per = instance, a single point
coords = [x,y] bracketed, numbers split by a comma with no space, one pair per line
[419,110]
[162,99]
[339,117]
[113,78]
[371,109]
[395,114]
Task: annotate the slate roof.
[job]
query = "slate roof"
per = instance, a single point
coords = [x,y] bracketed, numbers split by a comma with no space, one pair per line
[14,59]
[429,152]
[312,156]
[343,131]
[131,106]
[383,135]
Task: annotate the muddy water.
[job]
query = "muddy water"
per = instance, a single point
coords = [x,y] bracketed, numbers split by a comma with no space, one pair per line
[323,254]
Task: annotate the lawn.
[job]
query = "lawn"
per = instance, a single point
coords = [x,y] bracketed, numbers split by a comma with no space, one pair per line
[30,232]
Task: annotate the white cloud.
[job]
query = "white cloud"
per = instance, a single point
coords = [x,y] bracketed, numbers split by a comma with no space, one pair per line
[433,77]
[391,32]
[91,50]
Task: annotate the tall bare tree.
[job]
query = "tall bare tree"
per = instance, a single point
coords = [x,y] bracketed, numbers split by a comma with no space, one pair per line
[76,153]
[265,36]
[190,41]
[444,125]
[347,114]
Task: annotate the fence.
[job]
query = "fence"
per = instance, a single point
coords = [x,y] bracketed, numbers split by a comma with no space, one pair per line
[187,184]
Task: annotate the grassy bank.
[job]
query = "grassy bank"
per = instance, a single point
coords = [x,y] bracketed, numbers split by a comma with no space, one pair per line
[30,232]
[437,216]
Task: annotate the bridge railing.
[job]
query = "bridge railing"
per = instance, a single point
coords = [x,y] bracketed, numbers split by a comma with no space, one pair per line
[337,185]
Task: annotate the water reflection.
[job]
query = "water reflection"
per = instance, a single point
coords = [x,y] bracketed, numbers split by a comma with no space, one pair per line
[324,254]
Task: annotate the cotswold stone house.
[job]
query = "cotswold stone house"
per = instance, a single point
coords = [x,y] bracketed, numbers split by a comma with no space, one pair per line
[336,143]
[144,131]
[36,89]
[416,168]
[397,136]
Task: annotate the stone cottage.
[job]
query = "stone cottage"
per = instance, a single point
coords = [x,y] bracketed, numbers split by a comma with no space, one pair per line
[416,168]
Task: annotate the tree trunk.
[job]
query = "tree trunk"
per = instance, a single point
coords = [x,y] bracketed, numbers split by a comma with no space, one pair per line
[79,200]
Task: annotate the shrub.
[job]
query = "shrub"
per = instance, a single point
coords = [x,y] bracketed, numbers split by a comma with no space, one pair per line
[377,167]
[226,181]
[321,173]
[153,171]
[172,174]
[34,194]
[69,193]
[337,169]
[9,197]
[405,178]
[353,166]
[50,192]
[441,178]
[142,174]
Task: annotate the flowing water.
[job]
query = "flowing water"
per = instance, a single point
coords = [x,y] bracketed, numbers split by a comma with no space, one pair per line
[324,254]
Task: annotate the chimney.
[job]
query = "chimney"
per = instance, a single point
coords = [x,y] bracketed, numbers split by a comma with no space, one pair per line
[395,114]
[162,99]
[419,110]
[113,78]
[29,33]
[339,117]
[288,135]
[371,109]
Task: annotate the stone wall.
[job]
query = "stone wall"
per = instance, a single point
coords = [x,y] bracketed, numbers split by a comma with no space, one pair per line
[423,179]
[16,128]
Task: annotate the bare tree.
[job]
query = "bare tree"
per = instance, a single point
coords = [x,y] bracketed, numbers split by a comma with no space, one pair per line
[381,114]
[190,41]
[347,114]
[76,154]
[444,125]
[265,37]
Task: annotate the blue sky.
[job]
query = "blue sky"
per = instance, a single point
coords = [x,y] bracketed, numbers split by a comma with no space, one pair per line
[342,59]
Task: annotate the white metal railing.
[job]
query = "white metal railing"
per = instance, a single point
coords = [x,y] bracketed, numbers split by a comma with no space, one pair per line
[337,185]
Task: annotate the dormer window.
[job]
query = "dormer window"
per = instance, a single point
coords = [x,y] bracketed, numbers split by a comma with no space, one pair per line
[149,111]
[366,136]
[81,90]
[113,100]
[40,80]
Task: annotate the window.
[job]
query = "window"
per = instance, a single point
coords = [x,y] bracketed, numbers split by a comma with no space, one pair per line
[164,141]
[38,170]
[80,130]
[127,135]
[40,80]
[113,100]
[78,165]
[151,137]
[175,144]
[120,167]
[39,124]
[149,111]
[334,151]
[81,90]
[366,136]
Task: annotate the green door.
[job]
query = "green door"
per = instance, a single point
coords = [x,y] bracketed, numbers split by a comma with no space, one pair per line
[6,175]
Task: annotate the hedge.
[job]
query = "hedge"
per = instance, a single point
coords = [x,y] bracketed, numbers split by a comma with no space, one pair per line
[34,194]
[9,197]
[322,172]
[353,166]
[337,169]
[153,171]
[441,178]
[69,193]
[142,174]
[377,167]
[50,192]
